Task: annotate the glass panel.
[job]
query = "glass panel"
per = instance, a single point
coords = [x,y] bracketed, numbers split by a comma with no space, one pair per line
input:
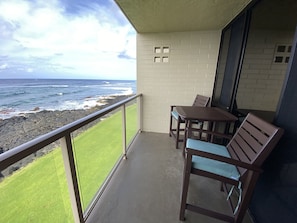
[35,189]
[97,149]
[264,65]
[229,63]
[273,23]
[233,62]
[131,121]
[221,66]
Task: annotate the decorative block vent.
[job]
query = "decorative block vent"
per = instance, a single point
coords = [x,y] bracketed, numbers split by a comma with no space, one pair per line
[157,59]
[282,53]
[161,54]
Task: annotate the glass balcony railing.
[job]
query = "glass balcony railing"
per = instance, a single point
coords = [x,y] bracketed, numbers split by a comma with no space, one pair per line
[35,189]
[67,169]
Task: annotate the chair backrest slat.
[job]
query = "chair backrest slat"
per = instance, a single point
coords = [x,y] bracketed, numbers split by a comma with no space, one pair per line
[245,149]
[201,101]
[233,150]
[253,141]
[237,149]
[258,134]
[266,127]
[255,146]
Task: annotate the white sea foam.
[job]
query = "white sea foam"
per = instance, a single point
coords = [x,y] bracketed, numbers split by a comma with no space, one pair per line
[58,86]
[18,97]
[5,114]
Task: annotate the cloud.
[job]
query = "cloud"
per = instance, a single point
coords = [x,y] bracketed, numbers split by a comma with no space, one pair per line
[71,38]
[125,55]
[3,66]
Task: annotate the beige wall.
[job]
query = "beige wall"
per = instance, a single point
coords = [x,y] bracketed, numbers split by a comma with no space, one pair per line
[171,69]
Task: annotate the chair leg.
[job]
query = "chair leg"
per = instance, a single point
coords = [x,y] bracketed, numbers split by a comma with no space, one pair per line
[177,132]
[246,196]
[200,126]
[185,187]
[170,126]
[187,134]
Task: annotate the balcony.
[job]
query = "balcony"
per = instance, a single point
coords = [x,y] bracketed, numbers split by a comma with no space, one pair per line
[144,185]
[147,186]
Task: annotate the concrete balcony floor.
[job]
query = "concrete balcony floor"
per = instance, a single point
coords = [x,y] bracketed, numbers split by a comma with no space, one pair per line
[147,186]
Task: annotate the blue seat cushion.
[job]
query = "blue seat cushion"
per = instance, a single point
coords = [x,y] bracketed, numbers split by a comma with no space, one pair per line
[175,114]
[210,165]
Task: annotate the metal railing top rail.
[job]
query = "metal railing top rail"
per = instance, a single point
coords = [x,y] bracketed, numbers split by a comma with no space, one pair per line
[16,154]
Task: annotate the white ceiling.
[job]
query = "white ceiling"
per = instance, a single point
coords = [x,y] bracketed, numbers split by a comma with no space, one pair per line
[180,15]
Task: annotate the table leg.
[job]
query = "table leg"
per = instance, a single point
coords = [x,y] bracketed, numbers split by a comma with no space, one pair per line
[187,133]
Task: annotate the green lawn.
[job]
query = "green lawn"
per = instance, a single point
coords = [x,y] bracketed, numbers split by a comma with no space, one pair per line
[38,192]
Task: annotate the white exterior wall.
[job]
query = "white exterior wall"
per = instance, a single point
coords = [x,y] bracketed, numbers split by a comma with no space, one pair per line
[174,77]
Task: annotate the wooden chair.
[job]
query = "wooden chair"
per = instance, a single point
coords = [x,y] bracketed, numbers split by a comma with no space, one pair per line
[238,165]
[200,100]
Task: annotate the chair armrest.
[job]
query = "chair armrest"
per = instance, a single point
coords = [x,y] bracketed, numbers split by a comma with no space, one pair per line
[238,163]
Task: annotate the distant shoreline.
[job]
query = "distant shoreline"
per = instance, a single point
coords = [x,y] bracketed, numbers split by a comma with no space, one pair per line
[105,100]
[22,128]
[22,96]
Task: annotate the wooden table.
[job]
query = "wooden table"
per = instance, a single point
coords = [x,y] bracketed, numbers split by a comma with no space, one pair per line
[212,115]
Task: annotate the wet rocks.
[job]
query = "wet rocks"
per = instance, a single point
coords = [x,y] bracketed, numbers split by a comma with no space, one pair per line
[20,129]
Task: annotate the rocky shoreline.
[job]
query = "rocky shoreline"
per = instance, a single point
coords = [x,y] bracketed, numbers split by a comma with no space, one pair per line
[20,129]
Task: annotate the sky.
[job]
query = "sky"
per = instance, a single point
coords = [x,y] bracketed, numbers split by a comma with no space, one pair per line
[79,39]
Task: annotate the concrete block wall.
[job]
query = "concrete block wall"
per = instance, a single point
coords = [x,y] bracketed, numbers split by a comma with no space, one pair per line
[171,69]
[261,79]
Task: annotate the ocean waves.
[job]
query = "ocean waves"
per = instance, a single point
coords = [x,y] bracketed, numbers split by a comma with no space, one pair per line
[18,97]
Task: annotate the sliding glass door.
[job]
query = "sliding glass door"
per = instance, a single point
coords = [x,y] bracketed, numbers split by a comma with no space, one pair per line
[230,61]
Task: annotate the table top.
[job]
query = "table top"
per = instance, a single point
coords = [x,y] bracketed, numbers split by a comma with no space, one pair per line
[205,114]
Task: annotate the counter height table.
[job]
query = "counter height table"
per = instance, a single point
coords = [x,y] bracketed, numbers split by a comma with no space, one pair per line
[212,115]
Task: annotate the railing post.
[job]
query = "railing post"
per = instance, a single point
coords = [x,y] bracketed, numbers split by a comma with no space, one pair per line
[124,128]
[139,104]
[71,176]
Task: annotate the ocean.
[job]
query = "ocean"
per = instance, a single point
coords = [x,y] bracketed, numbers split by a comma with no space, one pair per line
[18,96]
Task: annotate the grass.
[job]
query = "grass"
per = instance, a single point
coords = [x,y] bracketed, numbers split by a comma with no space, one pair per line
[38,192]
